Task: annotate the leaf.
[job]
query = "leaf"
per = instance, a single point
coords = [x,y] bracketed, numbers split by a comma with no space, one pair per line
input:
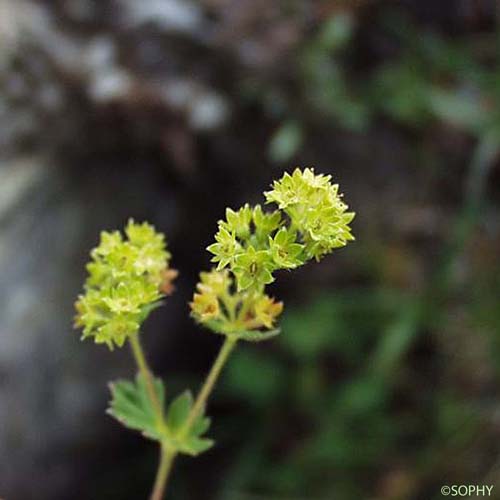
[257,336]
[190,442]
[178,411]
[194,445]
[201,425]
[131,406]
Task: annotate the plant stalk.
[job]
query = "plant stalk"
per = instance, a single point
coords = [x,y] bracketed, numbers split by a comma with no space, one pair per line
[210,381]
[167,457]
[144,370]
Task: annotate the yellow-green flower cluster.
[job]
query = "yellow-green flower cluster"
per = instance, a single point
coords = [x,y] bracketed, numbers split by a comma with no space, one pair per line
[315,209]
[250,245]
[310,222]
[128,276]
[225,311]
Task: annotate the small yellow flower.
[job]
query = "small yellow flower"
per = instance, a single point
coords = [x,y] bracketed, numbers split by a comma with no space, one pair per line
[216,282]
[266,311]
[205,307]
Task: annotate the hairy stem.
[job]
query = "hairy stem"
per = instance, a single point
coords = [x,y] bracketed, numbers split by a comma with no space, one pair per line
[144,370]
[166,455]
[164,468]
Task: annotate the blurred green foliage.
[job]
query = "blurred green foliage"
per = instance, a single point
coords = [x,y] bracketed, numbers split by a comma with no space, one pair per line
[339,393]
[432,79]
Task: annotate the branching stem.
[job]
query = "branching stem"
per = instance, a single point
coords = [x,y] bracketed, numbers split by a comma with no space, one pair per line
[168,455]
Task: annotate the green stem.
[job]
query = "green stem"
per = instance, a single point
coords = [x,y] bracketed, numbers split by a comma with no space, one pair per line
[144,370]
[166,456]
[210,381]
[164,468]
[230,302]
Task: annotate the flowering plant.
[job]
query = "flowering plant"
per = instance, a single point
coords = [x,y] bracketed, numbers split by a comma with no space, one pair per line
[130,275]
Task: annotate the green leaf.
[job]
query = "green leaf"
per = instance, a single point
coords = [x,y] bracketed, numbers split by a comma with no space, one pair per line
[194,445]
[130,405]
[178,411]
[201,425]
[187,441]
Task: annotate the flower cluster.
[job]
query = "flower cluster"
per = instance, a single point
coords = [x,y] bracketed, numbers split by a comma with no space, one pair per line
[225,311]
[127,278]
[250,245]
[310,222]
[315,209]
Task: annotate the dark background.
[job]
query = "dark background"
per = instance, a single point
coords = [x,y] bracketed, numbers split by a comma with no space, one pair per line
[385,382]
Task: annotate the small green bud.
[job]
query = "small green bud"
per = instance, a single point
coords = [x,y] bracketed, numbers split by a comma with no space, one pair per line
[265,223]
[238,223]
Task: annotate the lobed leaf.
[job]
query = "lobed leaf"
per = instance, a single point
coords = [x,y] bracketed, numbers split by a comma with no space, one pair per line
[130,405]
[178,411]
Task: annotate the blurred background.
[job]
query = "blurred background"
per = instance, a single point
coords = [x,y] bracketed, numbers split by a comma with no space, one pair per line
[385,383]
